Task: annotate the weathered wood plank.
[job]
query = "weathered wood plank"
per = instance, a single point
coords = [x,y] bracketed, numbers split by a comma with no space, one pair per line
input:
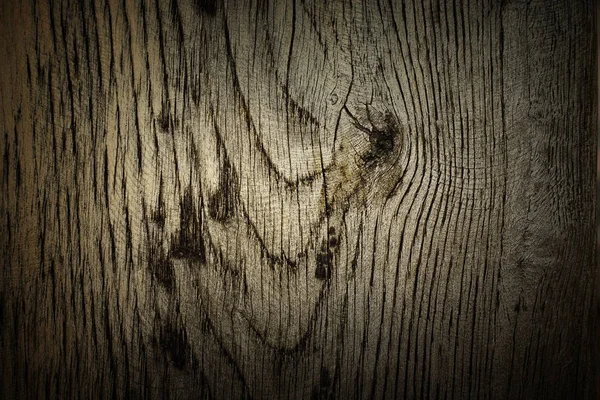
[298,199]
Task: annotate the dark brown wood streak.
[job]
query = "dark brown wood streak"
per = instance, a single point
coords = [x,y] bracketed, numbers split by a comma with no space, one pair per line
[291,199]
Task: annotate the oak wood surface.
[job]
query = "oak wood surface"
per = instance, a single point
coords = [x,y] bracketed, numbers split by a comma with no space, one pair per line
[295,199]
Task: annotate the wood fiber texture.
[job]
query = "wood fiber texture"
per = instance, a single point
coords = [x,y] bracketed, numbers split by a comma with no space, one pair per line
[296,199]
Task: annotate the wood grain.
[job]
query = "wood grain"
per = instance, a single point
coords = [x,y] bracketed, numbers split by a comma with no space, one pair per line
[293,199]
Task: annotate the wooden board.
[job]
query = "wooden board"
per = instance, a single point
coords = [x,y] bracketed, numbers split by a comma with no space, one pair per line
[294,199]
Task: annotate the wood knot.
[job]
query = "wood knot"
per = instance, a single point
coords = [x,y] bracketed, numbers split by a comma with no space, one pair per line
[368,162]
[383,137]
[382,143]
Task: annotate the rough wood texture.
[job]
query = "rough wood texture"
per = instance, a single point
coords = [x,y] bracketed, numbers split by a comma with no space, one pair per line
[298,199]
